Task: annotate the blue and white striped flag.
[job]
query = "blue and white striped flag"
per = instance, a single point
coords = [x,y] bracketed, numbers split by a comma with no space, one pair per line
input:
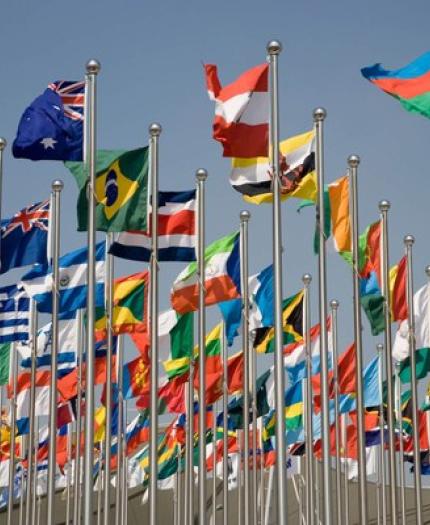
[73,281]
[14,314]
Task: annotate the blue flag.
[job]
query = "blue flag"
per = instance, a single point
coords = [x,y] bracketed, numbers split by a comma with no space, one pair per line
[24,237]
[51,128]
[14,314]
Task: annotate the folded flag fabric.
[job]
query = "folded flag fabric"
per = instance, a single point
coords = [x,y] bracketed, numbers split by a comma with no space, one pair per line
[176,231]
[222,276]
[340,214]
[120,190]
[294,406]
[51,128]
[252,177]
[24,237]
[410,85]
[73,277]
[241,121]
[14,314]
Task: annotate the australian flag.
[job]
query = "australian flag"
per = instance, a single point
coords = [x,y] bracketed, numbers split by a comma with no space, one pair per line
[51,128]
[24,237]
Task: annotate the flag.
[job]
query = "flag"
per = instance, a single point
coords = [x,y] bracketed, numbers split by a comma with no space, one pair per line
[73,277]
[409,84]
[235,373]
[135,378]
[214,368]
[14,314]
[241,121]
[42,383]
[120,190]
[176,231]
[372,396]
[422,356]
[252,177]
[24,237]
[294,406]
[4,363]
[222,276]
[398,280]
[340,214]
[51,128]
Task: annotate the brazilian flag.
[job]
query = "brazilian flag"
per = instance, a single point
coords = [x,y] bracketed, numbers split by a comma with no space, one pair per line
[121,190]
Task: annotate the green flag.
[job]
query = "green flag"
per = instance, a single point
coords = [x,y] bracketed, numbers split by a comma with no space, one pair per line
[4,363]
[422,357]
[121,190]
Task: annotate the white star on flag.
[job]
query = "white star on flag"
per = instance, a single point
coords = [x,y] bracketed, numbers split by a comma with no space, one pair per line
[48,142]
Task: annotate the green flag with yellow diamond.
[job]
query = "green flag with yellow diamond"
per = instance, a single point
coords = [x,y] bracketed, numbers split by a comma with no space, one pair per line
[121,190]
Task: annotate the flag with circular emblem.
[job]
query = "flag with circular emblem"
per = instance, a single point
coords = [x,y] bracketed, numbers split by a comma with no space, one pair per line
[121,190]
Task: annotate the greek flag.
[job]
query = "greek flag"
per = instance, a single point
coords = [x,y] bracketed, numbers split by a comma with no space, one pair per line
[14,314]
[73,281]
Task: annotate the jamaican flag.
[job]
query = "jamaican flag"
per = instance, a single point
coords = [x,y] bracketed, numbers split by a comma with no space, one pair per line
[121,190]
[292,321]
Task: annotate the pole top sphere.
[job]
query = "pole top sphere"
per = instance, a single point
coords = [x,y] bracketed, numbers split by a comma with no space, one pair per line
[409,240]
[3,143]
[155,129]
[307,279]
[57,185]
[245,215]
[319,114]
[201,174]
[384,205]
[427,270]
[334,303]
[274,47]
[93,66]
[353,161]
[379,347]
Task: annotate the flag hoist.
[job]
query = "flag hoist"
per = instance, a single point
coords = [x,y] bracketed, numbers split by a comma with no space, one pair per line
[57,186]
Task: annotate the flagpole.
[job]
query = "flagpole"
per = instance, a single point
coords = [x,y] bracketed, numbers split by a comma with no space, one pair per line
[12,412]
[21,494]
[274,48]
[224,428]
[120,430]
[154,132]
[384,206]
[214,429]
[57,187]
[380,351]
[34,489]
[353,162]
[124,476]
[401,448]
[92,68]
[310,467]
[409,241]
[334,304]
[201,176]
[69,471]
[33,346]
[239,479]
[269,496]
[253,380]
[189,520]
[77,464]
[346,468]
[100,484]
[262,474]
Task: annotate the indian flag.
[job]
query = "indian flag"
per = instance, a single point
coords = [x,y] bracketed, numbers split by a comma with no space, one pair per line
[222,276]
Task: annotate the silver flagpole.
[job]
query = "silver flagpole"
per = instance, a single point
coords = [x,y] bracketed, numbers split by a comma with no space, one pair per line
[109,277]
[253,380]
[69,471]
[409,241]
[380,350]
[274,48]
[100,486]
[34,489]
[21,495]
[319,117]
[124,477]
[92,68]
[310,495]
[154,132]
[334,304]
[33,345]
[125,492]
[346,468]
[119,459]
[262,474]
[239,479]
[401,448]
[201,176]
[214,456]
[77,464]
[244,275]
[224,429]
[57,186]
[269,496]
[179,476]
[353,162]
[384,206]
[190,446]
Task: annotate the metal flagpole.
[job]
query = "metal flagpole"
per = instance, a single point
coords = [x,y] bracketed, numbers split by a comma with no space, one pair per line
[77,464]
[346,467]
[125,492]
[269,496]
[409,241]
[201,176]
[380,350]
[334,304]
[100,485]
[244,276]
[21,494]
[34,489]
[398,389]
[69,471]
[224,428]
[189,520]
[214,457]
[262,474]
[274,48]
[179,477]
[310,496]
[120,430]
[92,68]
[253,380]
[154,132]
[239,479]
[124,477]
[57,186]
[353,162]
[109,277]
[384,206]
[33,346]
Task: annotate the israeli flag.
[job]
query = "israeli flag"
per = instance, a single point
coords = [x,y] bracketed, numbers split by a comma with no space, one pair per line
[73,281]
[14,314]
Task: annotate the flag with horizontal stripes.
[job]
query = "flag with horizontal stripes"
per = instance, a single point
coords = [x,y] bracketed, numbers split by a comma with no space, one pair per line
[14,314]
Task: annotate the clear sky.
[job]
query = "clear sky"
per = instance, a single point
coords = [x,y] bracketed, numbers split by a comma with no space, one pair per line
[151,55]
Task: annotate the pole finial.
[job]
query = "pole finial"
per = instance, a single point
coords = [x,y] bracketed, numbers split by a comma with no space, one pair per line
[244,216]
[384,205]
[93,66]
[57,185]
[155,129]
[409,240]
[319,114]
[3,143]
[353,161]
[274,47]
[334,304]
[307,279]
[379,347]
[201,174]
[427,270]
